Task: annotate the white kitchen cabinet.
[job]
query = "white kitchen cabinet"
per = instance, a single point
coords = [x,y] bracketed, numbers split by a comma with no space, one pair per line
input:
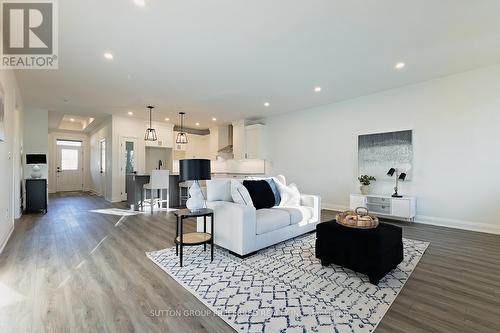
[255,142]
[239,140]
[249,141]
[197,147]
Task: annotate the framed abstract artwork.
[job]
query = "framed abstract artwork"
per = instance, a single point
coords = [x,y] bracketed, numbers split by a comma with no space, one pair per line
[379,152]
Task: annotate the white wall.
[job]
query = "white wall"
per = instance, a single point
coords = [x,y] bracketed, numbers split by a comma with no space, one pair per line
[103,131]
[10,155]
[456,133]
[36,137]
[52,159]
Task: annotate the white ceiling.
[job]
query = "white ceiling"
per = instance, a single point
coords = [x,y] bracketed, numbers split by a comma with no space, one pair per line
[225,58]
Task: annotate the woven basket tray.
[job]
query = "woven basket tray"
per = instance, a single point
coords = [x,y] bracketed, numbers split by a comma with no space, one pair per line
[359,218]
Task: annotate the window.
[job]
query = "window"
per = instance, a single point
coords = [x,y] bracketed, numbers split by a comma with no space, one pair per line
[69,159]
[69,143]
[102,144]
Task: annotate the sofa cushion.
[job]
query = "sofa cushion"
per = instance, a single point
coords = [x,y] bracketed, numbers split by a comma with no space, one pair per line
[261,193]
[271,219]
[297,214]
[281,179]
[219,190]
[274,188]
[240,194]
[272,182]
[290,195]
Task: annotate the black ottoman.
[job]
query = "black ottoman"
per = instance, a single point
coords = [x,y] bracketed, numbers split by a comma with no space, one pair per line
[374,252]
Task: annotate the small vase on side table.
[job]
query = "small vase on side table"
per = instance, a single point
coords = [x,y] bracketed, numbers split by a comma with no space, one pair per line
[365,189]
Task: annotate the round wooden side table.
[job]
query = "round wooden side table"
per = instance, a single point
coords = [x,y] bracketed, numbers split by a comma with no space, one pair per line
[194,238]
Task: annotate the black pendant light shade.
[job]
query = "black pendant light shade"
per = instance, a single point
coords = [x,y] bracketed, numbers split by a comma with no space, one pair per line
[181,136]
[150,132]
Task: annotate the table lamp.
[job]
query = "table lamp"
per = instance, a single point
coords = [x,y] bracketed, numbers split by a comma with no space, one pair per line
[196,170]
[399,177]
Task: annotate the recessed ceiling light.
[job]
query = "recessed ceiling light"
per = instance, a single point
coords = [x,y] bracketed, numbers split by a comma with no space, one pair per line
[197,124]
[140,3]
[214,119]
[167,119]
[71,119]
[317,89]
[130,113]
[108,56]
[266,104]
[400,65]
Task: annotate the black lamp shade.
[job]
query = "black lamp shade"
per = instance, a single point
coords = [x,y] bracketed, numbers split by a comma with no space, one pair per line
[391,172]
[402,176]
[194,169]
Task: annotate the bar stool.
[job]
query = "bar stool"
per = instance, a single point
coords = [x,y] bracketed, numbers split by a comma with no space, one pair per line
[158,180]
[183,192]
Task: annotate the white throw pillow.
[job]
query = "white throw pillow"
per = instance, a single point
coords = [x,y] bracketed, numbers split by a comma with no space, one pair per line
[290,195]
[240,194]
[281,179]
[219,190]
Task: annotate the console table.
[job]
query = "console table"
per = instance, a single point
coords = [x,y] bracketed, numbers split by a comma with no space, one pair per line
[385,205]
[36,195]
[194,238]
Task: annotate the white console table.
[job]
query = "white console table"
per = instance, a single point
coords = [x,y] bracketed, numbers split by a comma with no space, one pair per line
[385,206]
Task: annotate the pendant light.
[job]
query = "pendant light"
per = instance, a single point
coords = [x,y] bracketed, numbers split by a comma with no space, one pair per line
[181,136]
[150,132]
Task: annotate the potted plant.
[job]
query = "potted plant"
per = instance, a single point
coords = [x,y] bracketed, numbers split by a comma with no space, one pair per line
[365,182]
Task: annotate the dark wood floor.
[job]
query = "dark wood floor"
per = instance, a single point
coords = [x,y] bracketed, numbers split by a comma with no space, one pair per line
[73,270]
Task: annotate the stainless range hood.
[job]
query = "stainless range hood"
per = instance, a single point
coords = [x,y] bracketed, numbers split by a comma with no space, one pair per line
[225,142]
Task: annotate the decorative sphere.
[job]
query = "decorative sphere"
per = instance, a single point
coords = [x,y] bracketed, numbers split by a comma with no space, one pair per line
[36,172]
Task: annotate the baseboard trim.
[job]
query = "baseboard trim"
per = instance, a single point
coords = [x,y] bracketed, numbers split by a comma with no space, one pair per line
[458,224]
[334,207]
[437,221]
[4,242]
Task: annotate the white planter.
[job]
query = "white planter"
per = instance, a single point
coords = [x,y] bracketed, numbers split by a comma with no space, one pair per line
[365,189]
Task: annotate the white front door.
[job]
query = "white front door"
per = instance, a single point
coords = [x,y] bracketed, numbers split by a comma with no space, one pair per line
[69,169]
[128,161]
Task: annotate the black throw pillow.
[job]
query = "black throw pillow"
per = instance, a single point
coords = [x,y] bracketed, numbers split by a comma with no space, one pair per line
[261,193]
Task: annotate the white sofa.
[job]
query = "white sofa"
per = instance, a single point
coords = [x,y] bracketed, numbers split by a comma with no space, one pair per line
[243,230]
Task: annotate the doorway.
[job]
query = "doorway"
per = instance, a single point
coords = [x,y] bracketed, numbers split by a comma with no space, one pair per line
[128,162]
[102,166]
[69,169]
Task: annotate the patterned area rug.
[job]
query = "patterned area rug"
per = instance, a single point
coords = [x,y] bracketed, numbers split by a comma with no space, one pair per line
[284,288]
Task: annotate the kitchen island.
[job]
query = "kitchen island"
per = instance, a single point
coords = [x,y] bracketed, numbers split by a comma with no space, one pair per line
[134,188]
